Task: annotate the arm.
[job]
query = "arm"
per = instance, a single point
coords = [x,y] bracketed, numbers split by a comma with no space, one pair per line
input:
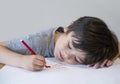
[18,60]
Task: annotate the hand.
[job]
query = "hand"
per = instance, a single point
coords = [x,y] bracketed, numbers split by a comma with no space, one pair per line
[106,63]
[33,62]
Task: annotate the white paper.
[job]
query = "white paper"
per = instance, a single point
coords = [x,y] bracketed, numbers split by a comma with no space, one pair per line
[61,73]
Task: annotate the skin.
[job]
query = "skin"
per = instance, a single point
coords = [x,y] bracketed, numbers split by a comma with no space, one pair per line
[29,62]
[37,62]
[64,51]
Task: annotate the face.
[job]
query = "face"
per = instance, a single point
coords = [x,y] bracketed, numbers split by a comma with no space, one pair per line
[65,51]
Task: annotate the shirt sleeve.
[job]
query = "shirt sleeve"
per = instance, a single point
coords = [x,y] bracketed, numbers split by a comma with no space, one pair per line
[41,42]
[33,40]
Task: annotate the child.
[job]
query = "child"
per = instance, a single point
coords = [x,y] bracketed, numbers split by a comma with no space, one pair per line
[87,40]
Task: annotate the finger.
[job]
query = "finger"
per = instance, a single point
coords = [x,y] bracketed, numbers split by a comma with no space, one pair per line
[97,65]
[104,63]
[109,63]
[38,68]
[41,58]
[90,65]
[39,62]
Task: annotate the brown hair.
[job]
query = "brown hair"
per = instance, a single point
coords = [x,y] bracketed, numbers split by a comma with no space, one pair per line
[94,38]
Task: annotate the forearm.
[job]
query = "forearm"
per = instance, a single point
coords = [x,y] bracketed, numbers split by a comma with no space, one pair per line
[9,57]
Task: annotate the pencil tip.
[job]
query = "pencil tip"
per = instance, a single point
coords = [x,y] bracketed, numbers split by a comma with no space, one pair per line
[21,40]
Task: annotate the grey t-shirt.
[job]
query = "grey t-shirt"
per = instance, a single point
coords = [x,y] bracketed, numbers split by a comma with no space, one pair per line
[41,42]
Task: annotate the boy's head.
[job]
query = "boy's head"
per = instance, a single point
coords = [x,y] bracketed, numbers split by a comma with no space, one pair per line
[87,40]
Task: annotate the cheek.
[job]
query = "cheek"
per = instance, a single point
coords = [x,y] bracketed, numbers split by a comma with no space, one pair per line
[70,59]
[62,46]
[58,47]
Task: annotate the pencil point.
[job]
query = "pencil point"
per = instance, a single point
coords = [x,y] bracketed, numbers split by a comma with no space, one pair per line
[21,40]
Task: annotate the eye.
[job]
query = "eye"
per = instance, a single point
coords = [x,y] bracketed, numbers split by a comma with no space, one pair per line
[76,59]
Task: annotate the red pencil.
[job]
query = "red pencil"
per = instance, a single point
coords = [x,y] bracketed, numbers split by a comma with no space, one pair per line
[31,50]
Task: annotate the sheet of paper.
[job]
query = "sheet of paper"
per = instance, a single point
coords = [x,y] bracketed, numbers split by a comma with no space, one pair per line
[62,73]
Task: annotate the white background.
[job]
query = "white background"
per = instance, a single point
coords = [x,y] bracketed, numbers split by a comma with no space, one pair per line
[21,17]
[62,73]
